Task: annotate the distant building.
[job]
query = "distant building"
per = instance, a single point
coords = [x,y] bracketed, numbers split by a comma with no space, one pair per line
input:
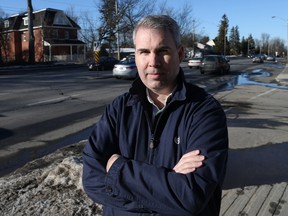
[201,49]
[56,37]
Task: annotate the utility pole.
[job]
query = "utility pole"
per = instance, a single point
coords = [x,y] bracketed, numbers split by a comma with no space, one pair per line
[248,47]
[31,59]
[117,20]
[193,38]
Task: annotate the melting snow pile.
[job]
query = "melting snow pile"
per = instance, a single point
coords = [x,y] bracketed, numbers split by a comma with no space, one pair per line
[48,186]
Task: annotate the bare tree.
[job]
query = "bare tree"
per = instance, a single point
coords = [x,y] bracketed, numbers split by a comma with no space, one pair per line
[277,46]
[89,32]
[70,12]
[130,12]
[183,16]
[109,21]
[265,42]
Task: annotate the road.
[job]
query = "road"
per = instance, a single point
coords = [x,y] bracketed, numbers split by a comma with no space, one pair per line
[44,110]
[41,109]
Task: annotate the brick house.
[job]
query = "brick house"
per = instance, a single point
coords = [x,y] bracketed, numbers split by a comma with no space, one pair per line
[56,37]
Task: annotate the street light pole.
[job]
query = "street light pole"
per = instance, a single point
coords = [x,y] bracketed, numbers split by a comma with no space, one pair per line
[286,21]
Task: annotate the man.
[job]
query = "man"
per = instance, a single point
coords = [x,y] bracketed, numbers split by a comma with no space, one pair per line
[146,154]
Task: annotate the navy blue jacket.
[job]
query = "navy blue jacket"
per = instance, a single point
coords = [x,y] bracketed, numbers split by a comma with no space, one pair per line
[141,181]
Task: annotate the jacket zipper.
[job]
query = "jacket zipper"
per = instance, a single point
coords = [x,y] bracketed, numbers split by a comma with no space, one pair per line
[153,129]
[151,143]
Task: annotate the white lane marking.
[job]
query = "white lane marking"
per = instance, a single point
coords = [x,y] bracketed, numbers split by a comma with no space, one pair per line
[262,94]
[53,100]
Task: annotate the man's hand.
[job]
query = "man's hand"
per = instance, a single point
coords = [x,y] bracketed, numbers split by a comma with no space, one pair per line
[189,162]
[111,160]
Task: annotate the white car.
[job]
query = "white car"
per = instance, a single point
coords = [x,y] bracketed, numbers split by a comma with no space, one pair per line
[126,68]
[194,62]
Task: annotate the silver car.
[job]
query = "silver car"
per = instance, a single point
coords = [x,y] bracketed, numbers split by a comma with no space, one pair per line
[194,62]
[215,64]
[126,68]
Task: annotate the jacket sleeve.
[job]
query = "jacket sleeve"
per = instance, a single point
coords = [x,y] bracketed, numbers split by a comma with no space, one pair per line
[136,186]
[101,145]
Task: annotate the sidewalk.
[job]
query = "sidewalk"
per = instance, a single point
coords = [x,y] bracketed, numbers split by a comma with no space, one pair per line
[262,200]
[283,76]
[256,181]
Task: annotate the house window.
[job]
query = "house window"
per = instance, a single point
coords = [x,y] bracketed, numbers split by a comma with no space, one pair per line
[6,23]
[54,34]
[66,36]
[25,21]
[24,36]
[61,19]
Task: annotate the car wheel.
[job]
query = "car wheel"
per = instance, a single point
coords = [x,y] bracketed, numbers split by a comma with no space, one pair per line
[201,71]
[190,67]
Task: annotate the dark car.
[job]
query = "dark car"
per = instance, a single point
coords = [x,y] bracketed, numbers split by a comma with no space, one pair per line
[104,63]
[258,59]
[214,64]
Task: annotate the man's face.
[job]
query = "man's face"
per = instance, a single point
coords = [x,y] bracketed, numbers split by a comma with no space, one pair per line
[157,59]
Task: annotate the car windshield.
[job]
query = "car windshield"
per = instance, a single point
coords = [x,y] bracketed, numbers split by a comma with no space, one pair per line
[210,59]
[127,61]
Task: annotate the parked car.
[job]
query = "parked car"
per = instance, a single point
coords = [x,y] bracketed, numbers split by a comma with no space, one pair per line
[126,68]
[258,59]
[104,63]
[194,62]
[214,64]
[132,55]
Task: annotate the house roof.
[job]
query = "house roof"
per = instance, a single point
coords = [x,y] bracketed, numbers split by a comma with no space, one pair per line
[45,17]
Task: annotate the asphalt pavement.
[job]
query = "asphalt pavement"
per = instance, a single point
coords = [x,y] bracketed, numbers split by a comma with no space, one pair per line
[6,70]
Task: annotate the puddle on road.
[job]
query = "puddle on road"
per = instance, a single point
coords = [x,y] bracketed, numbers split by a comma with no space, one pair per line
[247,78]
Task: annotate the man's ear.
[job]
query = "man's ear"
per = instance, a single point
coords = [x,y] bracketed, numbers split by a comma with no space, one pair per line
[181,53]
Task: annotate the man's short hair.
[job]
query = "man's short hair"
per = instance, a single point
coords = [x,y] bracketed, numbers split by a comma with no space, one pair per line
[161,22]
